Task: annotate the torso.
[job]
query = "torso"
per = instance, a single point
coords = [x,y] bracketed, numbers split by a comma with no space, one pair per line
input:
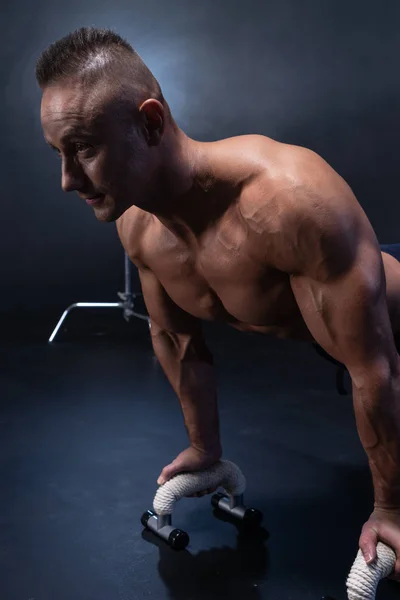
[220,278]
[218,282]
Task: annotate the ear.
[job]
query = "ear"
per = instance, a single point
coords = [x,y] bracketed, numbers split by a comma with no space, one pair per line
[153,114]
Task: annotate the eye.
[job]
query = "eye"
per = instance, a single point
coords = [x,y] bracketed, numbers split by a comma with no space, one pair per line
[80,147]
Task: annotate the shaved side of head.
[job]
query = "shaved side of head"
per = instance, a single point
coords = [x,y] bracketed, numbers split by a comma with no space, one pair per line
[104,63]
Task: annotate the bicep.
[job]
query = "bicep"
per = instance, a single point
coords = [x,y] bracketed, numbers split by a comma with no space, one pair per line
[164,313]
[348,315]
[174,332]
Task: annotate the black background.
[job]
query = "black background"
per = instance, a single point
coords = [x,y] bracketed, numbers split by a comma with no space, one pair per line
[322,74]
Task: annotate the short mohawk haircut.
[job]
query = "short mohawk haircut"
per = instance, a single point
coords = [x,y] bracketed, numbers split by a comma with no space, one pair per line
[91,53]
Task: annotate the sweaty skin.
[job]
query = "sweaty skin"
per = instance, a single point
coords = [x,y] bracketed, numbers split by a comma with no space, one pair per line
[261,235]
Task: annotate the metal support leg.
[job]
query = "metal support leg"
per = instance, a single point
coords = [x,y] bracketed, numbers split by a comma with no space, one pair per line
[127,304]
[127,296]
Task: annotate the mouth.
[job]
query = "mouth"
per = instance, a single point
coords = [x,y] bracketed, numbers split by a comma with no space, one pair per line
[94,199]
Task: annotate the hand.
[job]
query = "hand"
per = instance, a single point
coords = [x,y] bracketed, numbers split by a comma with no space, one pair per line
[190,459]
[382,526]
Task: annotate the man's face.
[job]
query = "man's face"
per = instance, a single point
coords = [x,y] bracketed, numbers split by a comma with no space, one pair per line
[102,149]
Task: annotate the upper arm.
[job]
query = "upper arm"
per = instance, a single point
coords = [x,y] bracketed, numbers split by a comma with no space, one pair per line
[163,311]
[338,279]
[172,329]
[348,316]
[132,228]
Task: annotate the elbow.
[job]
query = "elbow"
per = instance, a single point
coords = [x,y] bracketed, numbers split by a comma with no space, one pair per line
[376,378]
[184,347]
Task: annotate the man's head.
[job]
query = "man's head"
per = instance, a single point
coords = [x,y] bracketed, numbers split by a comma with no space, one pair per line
[104,113]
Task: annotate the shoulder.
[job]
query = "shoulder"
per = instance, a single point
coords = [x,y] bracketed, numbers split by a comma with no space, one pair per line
[132,228]
[297,176]
[303,213]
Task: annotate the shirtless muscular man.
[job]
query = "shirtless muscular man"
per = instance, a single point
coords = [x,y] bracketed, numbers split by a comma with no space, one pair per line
[262,235]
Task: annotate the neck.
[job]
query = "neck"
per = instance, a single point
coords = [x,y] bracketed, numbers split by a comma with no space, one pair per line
[181,198]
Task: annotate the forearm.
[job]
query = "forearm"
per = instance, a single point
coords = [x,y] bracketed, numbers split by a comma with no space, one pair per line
[377,410]
[188,367]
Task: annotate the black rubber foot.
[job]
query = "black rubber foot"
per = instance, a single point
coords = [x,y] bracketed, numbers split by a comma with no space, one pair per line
[216,498]
[146,516]
[252,517]
[178,539]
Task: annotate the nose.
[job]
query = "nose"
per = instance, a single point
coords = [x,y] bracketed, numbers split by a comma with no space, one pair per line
[71,177]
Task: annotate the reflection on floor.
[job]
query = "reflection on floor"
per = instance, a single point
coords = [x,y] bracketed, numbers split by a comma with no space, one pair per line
[87,424]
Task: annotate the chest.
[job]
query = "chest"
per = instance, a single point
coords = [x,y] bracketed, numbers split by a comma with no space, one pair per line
[221,279]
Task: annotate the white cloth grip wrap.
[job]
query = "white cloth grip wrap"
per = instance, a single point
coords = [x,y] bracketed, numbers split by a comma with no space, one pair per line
[363,579]
[224,473]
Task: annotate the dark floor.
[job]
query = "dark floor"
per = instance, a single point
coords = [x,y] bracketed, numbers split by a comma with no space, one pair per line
[88,422]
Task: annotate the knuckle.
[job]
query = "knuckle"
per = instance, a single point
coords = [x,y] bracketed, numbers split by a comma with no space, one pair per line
[366,536]
[365,549]
[366,530]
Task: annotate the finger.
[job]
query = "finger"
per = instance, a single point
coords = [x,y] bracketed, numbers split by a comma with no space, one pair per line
[367,543]
[163,478]
[167,473]
[395,576]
